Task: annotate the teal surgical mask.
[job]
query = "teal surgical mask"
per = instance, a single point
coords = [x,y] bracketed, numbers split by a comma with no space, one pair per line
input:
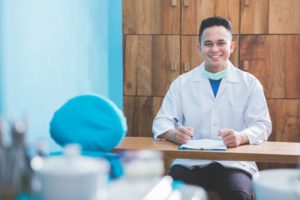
[214,76]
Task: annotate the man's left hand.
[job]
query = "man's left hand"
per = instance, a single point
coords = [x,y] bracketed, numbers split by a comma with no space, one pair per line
[232,138]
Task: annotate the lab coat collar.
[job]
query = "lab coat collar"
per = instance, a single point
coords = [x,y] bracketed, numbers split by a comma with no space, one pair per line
[231,77]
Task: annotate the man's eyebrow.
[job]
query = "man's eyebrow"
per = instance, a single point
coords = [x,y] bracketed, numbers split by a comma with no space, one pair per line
[209,41]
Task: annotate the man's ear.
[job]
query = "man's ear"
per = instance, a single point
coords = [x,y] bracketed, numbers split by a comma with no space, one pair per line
[232,46]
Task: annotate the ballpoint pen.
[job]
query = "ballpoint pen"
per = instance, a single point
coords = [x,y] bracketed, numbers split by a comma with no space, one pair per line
[179,124]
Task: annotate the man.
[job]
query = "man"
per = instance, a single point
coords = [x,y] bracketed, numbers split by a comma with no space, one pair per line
[218,101]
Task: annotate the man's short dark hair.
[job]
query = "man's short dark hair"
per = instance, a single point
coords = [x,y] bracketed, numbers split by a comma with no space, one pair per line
[214,21]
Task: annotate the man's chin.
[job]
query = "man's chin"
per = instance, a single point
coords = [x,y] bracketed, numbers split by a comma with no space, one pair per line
[214,66]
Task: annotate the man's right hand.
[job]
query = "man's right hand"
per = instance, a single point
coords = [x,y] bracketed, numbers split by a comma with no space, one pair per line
[180,135]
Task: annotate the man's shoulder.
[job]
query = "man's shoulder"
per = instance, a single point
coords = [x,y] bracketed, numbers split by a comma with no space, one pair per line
[190,75]
[185,79]
[247,79]
[244,75]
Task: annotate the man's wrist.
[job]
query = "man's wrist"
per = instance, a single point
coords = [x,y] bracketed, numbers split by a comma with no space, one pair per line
[244,138]
[171,135]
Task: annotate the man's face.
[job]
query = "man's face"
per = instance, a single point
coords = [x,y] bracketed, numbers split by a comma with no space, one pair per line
[216,47]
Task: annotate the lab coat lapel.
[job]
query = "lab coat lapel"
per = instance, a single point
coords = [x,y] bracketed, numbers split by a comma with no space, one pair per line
[230,79]
[204,85]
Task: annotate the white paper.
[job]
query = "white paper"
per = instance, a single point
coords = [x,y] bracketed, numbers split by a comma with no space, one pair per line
[204,144]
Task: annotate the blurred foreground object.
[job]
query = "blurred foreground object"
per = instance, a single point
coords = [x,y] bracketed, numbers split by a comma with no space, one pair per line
[73,177]
[15,180]
[95,123]
[92,121]
[143,180]
[277,184]
[143,169]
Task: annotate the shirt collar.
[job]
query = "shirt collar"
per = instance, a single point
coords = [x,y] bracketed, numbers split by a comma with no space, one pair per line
[231,77]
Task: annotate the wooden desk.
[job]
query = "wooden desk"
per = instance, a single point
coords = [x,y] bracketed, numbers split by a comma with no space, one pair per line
[275,152]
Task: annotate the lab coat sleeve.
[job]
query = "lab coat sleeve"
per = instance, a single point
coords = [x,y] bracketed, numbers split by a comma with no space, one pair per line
[257,117]
[170,108]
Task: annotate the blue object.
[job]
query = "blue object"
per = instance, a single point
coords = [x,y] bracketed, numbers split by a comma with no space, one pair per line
[215,85]
[91,121]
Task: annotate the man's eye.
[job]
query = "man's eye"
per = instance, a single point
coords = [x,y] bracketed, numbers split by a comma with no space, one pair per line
[208,44]
[222,43]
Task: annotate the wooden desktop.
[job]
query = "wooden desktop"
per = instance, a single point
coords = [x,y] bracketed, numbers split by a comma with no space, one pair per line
[274,152]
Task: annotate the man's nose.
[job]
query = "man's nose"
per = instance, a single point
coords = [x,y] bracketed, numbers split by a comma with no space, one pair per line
[214,47]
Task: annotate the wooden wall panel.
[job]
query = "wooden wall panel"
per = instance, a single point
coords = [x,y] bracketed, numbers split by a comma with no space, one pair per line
[140,112]
[151,17]
[130,64]
[152,62]
[194,11]
[270,17]
[285,115]
[254,16]
[284,16]
[190,55]
[275,61]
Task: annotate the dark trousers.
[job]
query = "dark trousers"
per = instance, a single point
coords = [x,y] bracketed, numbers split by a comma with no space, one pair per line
[230,184]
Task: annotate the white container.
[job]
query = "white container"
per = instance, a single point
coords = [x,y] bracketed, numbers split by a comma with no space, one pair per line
[73,177]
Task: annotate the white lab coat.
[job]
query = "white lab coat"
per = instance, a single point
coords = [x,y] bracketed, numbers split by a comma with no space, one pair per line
[240,104]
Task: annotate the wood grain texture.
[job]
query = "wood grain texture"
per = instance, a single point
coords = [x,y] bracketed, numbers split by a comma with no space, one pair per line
[197,10]
[152,62]
[275,152]
[190,54]
[275,61]
[285,115]
[254,16]
[151,17]
[270,17]
[284,16]
[140,112]
[130,64]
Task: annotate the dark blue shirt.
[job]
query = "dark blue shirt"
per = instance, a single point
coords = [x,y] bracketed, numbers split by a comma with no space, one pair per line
[215,85]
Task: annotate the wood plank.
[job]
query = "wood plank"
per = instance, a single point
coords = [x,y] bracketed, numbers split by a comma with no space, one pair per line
[130,65]
[274,60]
[276,152]
[254,16]
[190,54]
[285,115]
[151,17]
[284,17]
[151,64]
[197,10]
[144,65]
[270,17]
[140,112]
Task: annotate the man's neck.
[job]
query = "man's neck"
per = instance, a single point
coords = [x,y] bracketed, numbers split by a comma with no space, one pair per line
[215,69]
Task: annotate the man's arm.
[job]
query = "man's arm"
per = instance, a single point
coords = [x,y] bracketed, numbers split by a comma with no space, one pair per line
[257,119]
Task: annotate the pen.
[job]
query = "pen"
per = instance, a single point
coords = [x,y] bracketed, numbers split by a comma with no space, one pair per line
[179,124]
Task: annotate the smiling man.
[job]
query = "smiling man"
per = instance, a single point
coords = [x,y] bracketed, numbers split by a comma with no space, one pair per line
[217,101]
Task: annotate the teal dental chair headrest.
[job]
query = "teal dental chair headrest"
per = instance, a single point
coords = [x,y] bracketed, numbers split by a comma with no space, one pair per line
[92,121]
